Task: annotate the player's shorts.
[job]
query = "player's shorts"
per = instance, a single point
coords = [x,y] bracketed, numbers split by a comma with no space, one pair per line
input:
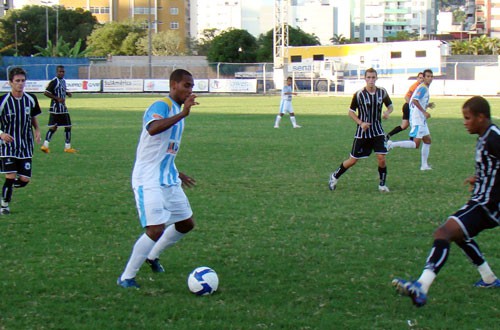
[162,205]
[286,106]
[59,119]
[21,166]
[406,111]
[473,218]
[419,131]
[363,147]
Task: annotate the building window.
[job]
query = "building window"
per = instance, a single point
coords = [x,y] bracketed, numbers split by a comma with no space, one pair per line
[174,25]
[296,58]
[395,54]
[141,10]
[375,39]
[319,57]
[420,53]
[174,11]
[367,39]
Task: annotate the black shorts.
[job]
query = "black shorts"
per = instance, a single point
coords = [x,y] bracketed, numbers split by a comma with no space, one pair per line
[15,165]
[59,119]
[473,218]
[406,111]
[363,147]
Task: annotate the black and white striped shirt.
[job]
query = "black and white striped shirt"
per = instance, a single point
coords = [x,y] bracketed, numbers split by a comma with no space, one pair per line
[369,106]
[487,186]
[16,120]
[57,87]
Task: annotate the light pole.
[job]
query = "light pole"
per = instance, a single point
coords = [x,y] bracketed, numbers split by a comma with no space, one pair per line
[15,34]
[46,3]
[149,38]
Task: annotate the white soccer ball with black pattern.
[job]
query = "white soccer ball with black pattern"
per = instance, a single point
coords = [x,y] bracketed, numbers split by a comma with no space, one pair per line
[203,281]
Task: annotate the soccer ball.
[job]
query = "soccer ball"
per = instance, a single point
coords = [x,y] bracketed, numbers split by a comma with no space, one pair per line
[203,281]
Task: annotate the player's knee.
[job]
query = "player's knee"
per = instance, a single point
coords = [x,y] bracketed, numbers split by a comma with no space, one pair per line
[185,226]
[155,232]
[20,184]
[67,129]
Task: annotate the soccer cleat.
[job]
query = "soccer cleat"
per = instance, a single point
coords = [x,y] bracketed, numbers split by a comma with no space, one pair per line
[410,289]
[388,145]
[276,126]
[4,210]
[155,265]
[383,189]
[425,168]
[297,126]
[332,184]
[45,149]
[70,150]
[127,283]
[482,284]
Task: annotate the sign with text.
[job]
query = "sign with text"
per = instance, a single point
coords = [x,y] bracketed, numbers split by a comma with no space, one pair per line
[122,85]
[233,85]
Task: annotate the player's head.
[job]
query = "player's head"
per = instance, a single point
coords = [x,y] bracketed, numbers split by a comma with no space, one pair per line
[420,76]
[477,115]
[60,71]
[477,105]
[289,81]
[181,85]
[370,77]
[16,72]
[428,76]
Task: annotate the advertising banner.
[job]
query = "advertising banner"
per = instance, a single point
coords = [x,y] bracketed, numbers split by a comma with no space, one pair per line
[233,85]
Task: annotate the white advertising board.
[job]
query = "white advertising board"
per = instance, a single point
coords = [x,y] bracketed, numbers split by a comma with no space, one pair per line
[233,85]
[83,85]
[162,85]
[122,85]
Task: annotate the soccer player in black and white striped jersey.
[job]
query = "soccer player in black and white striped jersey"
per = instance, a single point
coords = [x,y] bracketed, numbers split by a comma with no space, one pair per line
[369,135]
[59,115]
[18,111]
[481,212]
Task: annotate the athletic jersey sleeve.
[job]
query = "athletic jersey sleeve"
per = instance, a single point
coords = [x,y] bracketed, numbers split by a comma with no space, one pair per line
[157,110]
[493,146]
[420,92]
[387,99]
[354,102]
[51,86]
[35,109]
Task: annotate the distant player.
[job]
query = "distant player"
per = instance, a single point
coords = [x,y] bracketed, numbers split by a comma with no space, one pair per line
[481,212]
[369,134]
[163,207]
[405,122]
[419,131]
[18,111]
[58,113]
[286,104]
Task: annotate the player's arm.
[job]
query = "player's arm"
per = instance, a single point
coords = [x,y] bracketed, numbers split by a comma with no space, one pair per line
[364,125]
[34,123]
[187,181]
[416,103]
[161,125]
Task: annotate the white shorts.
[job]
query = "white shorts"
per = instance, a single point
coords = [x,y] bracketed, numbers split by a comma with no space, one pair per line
[162,205]
[286,106]
[419,131]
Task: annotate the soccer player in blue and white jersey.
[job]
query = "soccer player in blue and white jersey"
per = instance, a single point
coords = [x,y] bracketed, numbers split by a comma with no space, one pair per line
[419,131]
[370,136]
[163,207]
[286,104]
[481,212]
[18,131]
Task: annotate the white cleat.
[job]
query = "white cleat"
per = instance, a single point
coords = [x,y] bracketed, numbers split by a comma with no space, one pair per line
[332,184]
[425,168]
[383,189]
[276,126]
[297,126]
[389,145]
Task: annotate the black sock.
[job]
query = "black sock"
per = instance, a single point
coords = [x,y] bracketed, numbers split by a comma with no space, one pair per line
[341,170]
[382,173]
[439,254]
[68,135]
[472,251]
[395,131]
[7,190]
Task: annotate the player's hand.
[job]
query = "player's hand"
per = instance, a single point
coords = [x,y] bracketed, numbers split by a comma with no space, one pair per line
[187,181]
[427,115]
[470,181]
[6,138]
[364,126]
[386,114]
[431,105]
[38,136]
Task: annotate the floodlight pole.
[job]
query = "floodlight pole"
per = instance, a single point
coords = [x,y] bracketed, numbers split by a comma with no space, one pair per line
[149,38]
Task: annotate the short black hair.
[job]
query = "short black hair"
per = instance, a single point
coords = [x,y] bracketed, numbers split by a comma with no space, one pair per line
[371,70]
[178,74]
[428,71]
[478,105]
[16,71]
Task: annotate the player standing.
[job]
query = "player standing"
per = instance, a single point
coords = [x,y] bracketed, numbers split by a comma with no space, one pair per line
[405,122]
[369,134]
[286,104]
[18,111]
[163,207]
[481,212]
[419,130]
[58,113]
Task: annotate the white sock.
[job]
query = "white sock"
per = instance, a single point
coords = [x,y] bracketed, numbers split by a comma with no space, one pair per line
[426,148]
[426,279]
[294,122]
[46,143]
[170,237]
[142,247]
[486,273]
[408,144]
[67,145]
[278,119]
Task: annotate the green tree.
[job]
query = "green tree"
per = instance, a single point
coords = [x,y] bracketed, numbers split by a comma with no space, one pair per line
[339,39]
[402,36]
[233,46]
[296,37]
[202,45]
[62,49]
[30,23]
[165,43]
[116,39]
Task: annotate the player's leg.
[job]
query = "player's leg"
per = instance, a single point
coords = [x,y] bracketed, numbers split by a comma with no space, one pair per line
[381,150]
[292,116]
[50,133]
[404,122]
[177,203]
[414,143]
[23,173]
[280,115]
[66,123]
[7,189]
[426,148]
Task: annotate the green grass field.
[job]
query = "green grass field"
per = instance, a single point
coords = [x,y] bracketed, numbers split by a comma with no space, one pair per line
[290,254]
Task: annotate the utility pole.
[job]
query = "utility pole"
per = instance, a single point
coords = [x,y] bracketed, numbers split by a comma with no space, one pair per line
[280,40]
